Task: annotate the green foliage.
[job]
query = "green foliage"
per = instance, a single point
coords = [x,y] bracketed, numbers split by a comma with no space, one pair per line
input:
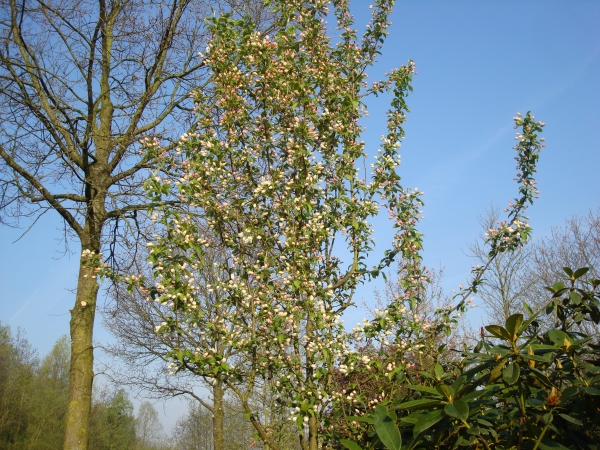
[112,424]
[518,388]
[33,402]
[17,368]
[33,395]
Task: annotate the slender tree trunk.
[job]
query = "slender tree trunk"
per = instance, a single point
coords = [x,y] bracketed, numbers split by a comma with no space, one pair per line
[82,359]
[313,423]
[218,416]
[257,426]
[313,433]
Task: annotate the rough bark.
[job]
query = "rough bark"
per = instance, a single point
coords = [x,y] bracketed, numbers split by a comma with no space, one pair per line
[313,433]
[82,361]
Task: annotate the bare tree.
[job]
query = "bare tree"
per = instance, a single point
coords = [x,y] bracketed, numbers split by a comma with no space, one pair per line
[575,245]
[149,433]
[81,83]
[521,276]
[507,279]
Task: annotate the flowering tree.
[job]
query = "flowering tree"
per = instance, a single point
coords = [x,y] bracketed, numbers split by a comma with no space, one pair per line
[275,168]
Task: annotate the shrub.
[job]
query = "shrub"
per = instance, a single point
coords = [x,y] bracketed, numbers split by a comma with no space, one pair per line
[518,388]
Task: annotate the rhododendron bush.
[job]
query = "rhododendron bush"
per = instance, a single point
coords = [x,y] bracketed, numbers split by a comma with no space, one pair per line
[276,175]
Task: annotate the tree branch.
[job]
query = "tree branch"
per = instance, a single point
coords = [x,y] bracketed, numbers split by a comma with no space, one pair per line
[9,160]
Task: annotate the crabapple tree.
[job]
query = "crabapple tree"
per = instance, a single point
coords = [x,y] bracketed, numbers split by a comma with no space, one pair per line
[277,170]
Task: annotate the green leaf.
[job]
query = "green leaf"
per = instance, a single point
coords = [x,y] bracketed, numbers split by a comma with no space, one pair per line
[568,271]
[544,347]
[558,337]
[547,444]
[458,385]
[444,390]
[591,390]
[535,357]
[570,419]
[427,421]
[513,323]
[511,373]
[540,376]
[499,332]
[386,429]
[420,403]
[459,409]
[485,423]
[427,389]
[580,272]
[575,298]
[568,393]
[349,444]
[438,370]
[496,372]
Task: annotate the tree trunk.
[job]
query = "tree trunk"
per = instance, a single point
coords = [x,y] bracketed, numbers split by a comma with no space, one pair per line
[218,416]
[82,358]
[313,433]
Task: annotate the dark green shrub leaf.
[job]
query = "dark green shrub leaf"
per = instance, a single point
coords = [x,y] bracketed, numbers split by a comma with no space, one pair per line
[511,373]
[477,431]
[350,445]
[485,422]
[417,404]
[540,376]
[547,444]
[558,337]
[439,370]
[427,389]
[458,384]
[580,272]
[459,409]
[569,392]
[513,323]
[444,390]
[386,429]
[535,358]
[499,332]
[570,419]
[427,421]
[575,298]
[591,390]
[496,372]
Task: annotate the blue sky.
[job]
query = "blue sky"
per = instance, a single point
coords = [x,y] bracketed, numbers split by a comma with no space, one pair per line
[478,63]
